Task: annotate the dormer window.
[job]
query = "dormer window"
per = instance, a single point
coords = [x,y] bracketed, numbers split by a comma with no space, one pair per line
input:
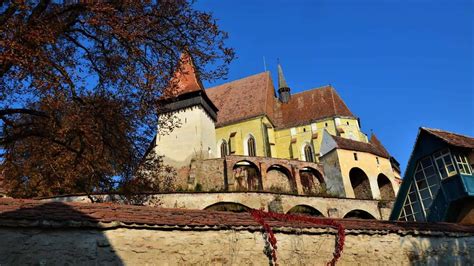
[463,164]
[445,164]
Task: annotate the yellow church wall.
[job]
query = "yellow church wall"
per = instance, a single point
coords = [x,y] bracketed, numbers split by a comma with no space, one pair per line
[304,134]
[290,146]
[240,132]
[352,130]
[368,163]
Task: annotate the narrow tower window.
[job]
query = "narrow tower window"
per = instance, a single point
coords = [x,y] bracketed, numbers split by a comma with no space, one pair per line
[224,150]
[251,146]
[308,153]
[355,156]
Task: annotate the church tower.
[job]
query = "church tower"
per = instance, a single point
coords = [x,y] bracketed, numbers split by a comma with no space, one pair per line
[186,103]
[283,89]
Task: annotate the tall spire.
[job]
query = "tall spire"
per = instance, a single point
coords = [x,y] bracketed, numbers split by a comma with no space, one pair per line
[283,89]
[185,78]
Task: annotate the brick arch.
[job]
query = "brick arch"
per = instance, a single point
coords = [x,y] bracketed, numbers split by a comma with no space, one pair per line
[304,209]
[312,180]
[278,178]
[359,214]
[228,206]
[247,175]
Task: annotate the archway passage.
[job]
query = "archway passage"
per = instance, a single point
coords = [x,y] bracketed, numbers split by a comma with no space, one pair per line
[278,179]
[305,210]
[385,187]
[360,184]
[227,207]
[359,214]
[312,181]
[247,176]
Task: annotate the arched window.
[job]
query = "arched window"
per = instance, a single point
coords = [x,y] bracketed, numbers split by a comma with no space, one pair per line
[224,150]
[308,153]
[251,146]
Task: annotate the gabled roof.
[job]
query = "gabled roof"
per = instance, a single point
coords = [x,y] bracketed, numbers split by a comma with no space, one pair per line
[451,138]
[255,95]
[311,105]
[353,145]
[243,99]
[378,145]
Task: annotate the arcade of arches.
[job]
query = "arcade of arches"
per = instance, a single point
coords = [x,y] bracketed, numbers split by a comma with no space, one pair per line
[249,173]
[360,184]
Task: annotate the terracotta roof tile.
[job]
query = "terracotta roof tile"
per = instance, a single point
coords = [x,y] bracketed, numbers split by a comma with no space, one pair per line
[452,138]
[185,79]
[255,95]
[348,144]
[311,105]
[379,146]
[37,213]
[244,98]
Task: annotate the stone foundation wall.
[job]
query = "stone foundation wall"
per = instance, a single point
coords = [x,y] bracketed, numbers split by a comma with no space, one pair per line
[209,174]
[158,246]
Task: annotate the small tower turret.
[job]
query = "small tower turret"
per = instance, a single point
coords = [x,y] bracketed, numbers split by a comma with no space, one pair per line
[283,89]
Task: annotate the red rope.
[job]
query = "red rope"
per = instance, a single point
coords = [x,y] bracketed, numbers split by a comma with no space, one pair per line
[260,216]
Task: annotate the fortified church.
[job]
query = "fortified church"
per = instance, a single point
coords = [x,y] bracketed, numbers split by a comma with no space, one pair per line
[246,136]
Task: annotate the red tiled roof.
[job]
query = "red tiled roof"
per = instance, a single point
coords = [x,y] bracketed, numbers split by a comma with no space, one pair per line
[353,145]
[255,95]
[378,145]
[244,98]
[185,79]
[311,105]
[452,138]
[32,213]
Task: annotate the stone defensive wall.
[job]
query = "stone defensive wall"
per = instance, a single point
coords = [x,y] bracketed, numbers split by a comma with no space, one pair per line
[252,173]
[284,203]
[56,233]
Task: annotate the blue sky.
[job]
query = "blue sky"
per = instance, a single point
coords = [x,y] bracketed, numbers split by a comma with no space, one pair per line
[398,65]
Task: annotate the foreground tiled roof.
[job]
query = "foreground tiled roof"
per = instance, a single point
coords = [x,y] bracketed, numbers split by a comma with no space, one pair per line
[353,145]
[31,213]
[255,95]
[452,138]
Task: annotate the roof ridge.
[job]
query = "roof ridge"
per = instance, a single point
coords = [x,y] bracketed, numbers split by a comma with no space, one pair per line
[236,80]
[316,88]
[450,132]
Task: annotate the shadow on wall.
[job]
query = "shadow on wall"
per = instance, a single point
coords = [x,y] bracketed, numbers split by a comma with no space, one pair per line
[52,234]
[438,250]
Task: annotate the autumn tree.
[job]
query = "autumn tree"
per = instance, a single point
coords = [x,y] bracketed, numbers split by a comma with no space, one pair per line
[80,82]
